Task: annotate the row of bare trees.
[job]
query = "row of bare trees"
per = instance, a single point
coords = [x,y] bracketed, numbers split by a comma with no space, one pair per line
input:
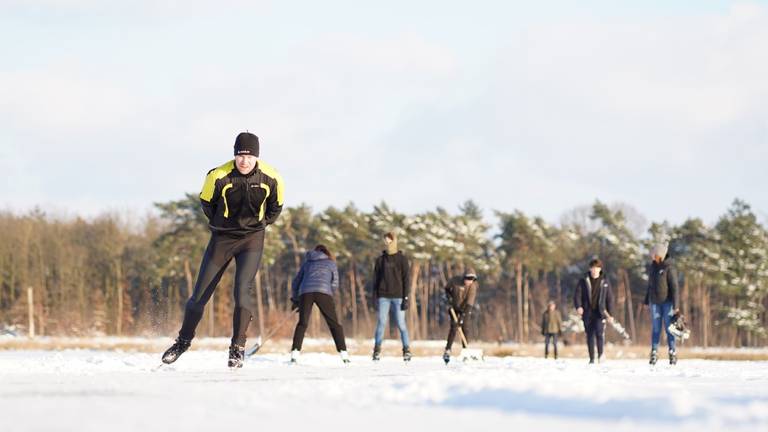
[110,275]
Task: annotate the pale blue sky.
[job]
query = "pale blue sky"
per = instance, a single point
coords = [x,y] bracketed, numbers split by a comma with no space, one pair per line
[540,106]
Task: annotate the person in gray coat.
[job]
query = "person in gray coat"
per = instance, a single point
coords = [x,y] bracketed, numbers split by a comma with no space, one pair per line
[315,284]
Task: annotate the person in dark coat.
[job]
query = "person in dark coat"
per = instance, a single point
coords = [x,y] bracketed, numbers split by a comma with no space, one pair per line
[663,297]
[315,284]
[240,199]
[461,292]
[593,300]
[391,287]
[551,328]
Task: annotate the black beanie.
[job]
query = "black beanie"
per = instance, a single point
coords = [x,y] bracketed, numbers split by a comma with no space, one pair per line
[247,143]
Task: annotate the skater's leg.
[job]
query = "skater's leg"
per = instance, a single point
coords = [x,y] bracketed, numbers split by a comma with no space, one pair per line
[590,330]
[328,310]
[554,344]
[247,263]
[600,336]
[547,337]
[306,301]
[667,313]
[656,320]
[215,260]
[383,320]
[451,335]
[401,326]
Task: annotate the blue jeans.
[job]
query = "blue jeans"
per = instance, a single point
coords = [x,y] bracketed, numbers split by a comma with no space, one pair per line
[661,313]
[384,305]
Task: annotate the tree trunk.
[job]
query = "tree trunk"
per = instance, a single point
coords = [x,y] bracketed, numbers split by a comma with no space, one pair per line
[119,289]
[526,309]
[519,288]
[353,299]
[412,312]
[31,311]
[630,308]
[363,300]
[425,301]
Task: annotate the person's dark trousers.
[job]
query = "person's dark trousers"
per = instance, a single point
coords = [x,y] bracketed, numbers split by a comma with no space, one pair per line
[595,329]
[221,250]
[550,337]
[328,309]
[454,329]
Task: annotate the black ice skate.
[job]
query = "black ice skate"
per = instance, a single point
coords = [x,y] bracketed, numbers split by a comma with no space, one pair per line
[177,349]
[236,356]
[407,356]
[654,357]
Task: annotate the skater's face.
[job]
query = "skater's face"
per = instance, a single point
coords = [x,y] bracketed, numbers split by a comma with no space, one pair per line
[595,272]
[551,307]
[245,163]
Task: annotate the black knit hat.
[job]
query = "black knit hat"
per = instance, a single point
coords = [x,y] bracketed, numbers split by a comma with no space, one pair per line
[247,143]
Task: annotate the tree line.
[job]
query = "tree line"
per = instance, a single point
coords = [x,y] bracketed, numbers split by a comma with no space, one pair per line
[113,276]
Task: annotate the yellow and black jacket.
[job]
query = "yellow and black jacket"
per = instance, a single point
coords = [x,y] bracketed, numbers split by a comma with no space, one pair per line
[238,204]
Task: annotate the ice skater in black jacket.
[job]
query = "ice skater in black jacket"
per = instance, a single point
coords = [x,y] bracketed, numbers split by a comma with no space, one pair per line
[593,300]
[240,199]
[663,298]
[391,286]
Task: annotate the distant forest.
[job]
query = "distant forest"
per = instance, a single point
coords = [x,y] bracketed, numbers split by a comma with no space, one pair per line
[109,275]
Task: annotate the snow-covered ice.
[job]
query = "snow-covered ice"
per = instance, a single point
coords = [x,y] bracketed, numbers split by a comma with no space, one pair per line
[105,390]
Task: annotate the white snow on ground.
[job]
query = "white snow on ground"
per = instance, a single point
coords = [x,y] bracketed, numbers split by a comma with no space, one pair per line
[113,391]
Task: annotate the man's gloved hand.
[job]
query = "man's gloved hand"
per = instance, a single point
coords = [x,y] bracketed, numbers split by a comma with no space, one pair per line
[405,304]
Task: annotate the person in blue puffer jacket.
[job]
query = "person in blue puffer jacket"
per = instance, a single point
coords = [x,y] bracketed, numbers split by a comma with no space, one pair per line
[315,284]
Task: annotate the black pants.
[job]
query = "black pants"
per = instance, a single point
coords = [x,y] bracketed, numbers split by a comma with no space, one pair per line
[220,251]
[550,337]
[454,329]
[595,329]
[328,309]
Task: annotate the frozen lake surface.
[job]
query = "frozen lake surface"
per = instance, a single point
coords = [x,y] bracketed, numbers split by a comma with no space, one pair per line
[87,390]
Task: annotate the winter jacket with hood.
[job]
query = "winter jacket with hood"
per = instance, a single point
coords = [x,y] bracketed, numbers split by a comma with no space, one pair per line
[662,284]
[459,296]
[318,274]
[582,296]
[551,322]
[391,276]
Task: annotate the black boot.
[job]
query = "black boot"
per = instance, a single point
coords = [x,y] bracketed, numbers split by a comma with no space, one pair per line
[236,356]
[407,354]
[447,356]
[673,357]
[376,353]
[172,354]
[654,357]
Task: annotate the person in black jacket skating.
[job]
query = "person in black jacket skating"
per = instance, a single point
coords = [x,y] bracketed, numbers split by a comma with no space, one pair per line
[593,301]
[391,286]
[663,297]
[240,199]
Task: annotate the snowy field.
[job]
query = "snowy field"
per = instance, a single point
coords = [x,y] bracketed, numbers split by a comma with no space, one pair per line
[87,390]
